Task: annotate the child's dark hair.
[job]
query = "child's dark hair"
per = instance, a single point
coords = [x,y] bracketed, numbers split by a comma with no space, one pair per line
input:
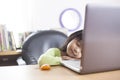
[76,35]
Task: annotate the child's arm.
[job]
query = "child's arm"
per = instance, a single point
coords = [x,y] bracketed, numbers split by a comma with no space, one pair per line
[52,57]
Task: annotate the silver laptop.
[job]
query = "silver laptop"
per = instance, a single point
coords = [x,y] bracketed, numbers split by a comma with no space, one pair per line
[101,40]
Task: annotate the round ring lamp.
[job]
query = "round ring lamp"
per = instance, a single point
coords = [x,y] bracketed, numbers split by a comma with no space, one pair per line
[70,19]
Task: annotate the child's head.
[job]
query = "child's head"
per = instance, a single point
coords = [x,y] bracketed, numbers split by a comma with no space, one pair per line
[72,46]
[74,49]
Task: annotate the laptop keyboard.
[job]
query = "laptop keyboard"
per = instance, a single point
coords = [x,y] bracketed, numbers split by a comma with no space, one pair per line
[74,63]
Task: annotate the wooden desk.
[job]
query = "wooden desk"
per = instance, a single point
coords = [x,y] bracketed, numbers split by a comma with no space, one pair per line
[32,72]
[9,57]
[5,53]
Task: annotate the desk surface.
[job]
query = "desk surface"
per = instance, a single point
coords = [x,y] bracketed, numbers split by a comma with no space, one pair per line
[32,72]
[4,53]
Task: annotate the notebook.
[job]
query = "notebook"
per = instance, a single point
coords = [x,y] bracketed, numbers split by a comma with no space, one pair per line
[101,40]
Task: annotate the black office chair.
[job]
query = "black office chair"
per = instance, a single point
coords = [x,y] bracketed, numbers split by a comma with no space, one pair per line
[37,43]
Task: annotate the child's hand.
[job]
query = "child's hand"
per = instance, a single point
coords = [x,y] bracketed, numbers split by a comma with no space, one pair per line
[67,57]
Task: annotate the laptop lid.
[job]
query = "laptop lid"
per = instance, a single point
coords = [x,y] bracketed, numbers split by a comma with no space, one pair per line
[101,38]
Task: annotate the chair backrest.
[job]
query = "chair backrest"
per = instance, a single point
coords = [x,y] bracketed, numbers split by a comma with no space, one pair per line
[37,43]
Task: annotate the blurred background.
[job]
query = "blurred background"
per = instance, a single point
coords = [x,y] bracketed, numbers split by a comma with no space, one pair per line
[22,17]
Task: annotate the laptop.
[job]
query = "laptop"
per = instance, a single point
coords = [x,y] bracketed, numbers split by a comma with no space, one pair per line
[101,40]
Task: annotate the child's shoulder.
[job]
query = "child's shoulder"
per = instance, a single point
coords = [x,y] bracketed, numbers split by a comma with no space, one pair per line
[53,49]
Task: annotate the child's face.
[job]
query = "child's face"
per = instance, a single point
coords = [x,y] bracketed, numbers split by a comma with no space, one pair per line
[74,49]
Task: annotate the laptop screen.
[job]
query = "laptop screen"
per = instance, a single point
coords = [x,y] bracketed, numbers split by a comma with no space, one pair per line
[101,38]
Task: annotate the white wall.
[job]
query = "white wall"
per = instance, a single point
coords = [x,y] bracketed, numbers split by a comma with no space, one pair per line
[22,15]
[27,15]
[45,13]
